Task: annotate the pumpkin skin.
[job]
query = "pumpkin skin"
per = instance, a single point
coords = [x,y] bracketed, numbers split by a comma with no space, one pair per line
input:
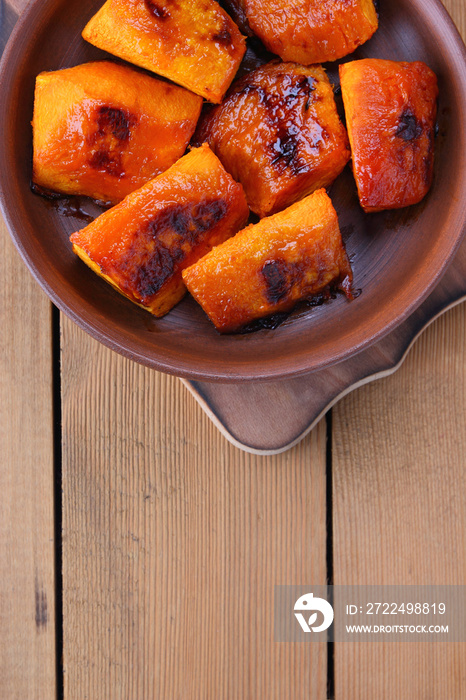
[102,129]
[308,31]
[141,245]
[390,111]
[192,42]
[268,267]
[278,133]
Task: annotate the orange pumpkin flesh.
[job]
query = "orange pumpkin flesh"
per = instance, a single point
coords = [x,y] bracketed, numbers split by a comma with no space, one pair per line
[141,245]
[102,129]
[390,114]
[267,267]
[279,134]
[192,42]
[310,31]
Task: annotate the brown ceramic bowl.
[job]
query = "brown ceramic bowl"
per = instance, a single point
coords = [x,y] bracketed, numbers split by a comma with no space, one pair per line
[397,256]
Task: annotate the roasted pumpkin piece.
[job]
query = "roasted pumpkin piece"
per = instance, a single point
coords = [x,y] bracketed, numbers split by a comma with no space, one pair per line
[268,267]
[390,110]
[103,129]
[192,42]
[309,31]
[279,134]
[141,245]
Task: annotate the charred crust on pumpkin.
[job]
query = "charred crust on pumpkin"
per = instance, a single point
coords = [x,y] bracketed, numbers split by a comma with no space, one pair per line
[115,121]
[286,146]
[223,35]
[105,160]
[156,10]
[416,146]
[299,87]
[282,109]
[113,131]
[279,276]
[305,84]
[409,128]
[163,242]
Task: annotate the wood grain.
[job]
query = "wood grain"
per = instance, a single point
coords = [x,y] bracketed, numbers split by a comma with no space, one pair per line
[173,541]
[27,586]
[399,503]
[27,582]
[399,508]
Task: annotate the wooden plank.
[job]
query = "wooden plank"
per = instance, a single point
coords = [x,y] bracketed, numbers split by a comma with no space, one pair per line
[174,540]
[399,502]
[27,586]
[399,508]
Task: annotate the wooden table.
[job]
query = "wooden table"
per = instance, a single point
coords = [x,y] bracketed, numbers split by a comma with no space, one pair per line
[139,549]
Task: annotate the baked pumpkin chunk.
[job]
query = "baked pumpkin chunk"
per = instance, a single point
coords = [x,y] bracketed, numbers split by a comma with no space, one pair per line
[279,134]
[310,31]
[390,110]
[141,245]
[268,267]
[192,42]
[103,129]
